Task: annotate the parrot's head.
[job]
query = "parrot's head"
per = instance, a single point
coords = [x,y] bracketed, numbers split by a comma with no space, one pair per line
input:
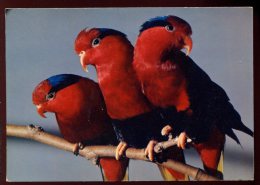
[101,46]
[48,94]
[160,36]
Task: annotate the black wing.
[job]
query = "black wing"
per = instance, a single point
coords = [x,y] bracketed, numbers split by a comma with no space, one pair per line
[209,102]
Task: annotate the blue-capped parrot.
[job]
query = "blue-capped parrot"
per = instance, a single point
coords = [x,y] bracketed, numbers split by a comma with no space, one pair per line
[170,78]
[80,111]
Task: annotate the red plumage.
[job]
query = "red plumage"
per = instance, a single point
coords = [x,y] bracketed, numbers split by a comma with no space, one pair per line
[81,115]
[112,58]
[171,79]
[163,79]
[113,62]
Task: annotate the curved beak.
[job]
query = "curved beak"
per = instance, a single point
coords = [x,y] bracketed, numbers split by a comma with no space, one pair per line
[41,110]
[82,55]
[187,44]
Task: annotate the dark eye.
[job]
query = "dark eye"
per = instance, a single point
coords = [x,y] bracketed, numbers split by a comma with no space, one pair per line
[50,96]
[169,28]
[95,42]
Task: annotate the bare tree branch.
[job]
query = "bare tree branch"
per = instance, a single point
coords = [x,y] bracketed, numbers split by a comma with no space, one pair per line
[94,152]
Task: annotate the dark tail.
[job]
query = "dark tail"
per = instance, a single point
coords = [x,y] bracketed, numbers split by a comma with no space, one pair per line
[232,120]
[246,130]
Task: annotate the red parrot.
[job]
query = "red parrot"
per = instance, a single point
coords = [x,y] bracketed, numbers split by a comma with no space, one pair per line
[169,78]
[136,125]
[81,115]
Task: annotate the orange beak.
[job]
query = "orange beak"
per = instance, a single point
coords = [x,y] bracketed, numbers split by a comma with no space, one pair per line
[82,55]
[187,44]
[41,110]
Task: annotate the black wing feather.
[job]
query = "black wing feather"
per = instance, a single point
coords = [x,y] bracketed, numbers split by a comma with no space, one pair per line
[209,102]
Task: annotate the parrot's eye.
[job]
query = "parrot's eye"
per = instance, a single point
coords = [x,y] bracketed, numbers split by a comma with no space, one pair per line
[95,42]
[50,96]
[169,28]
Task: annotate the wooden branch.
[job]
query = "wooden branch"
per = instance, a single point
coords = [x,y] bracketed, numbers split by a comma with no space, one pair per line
[94,152]
[161,146]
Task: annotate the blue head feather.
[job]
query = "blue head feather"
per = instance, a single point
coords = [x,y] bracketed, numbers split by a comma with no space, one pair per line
[61,81]
[107,31]
[157,21]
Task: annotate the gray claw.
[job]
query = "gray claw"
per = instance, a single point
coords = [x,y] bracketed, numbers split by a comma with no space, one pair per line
[78,146]
[81,146]
[170,136]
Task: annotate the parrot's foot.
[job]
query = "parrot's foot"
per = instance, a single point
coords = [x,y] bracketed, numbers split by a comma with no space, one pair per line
[120,149]
[77,147]
[166,131]
[182,140]
[149,151]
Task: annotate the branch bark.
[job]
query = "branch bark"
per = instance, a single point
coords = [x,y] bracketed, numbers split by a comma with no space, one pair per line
[94,152]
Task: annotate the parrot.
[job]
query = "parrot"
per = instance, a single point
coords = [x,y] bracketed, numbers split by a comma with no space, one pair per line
[80,111]
[170,78]
[133,118]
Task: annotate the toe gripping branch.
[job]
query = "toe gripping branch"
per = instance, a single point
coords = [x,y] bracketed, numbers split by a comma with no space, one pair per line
[137,131]
[161,148]
[80,146]
[106,138]
[160,157]
[77,147]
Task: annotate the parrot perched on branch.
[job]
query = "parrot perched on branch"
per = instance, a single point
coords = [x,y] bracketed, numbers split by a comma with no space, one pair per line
[81,115]
[136,125]
[169,79]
